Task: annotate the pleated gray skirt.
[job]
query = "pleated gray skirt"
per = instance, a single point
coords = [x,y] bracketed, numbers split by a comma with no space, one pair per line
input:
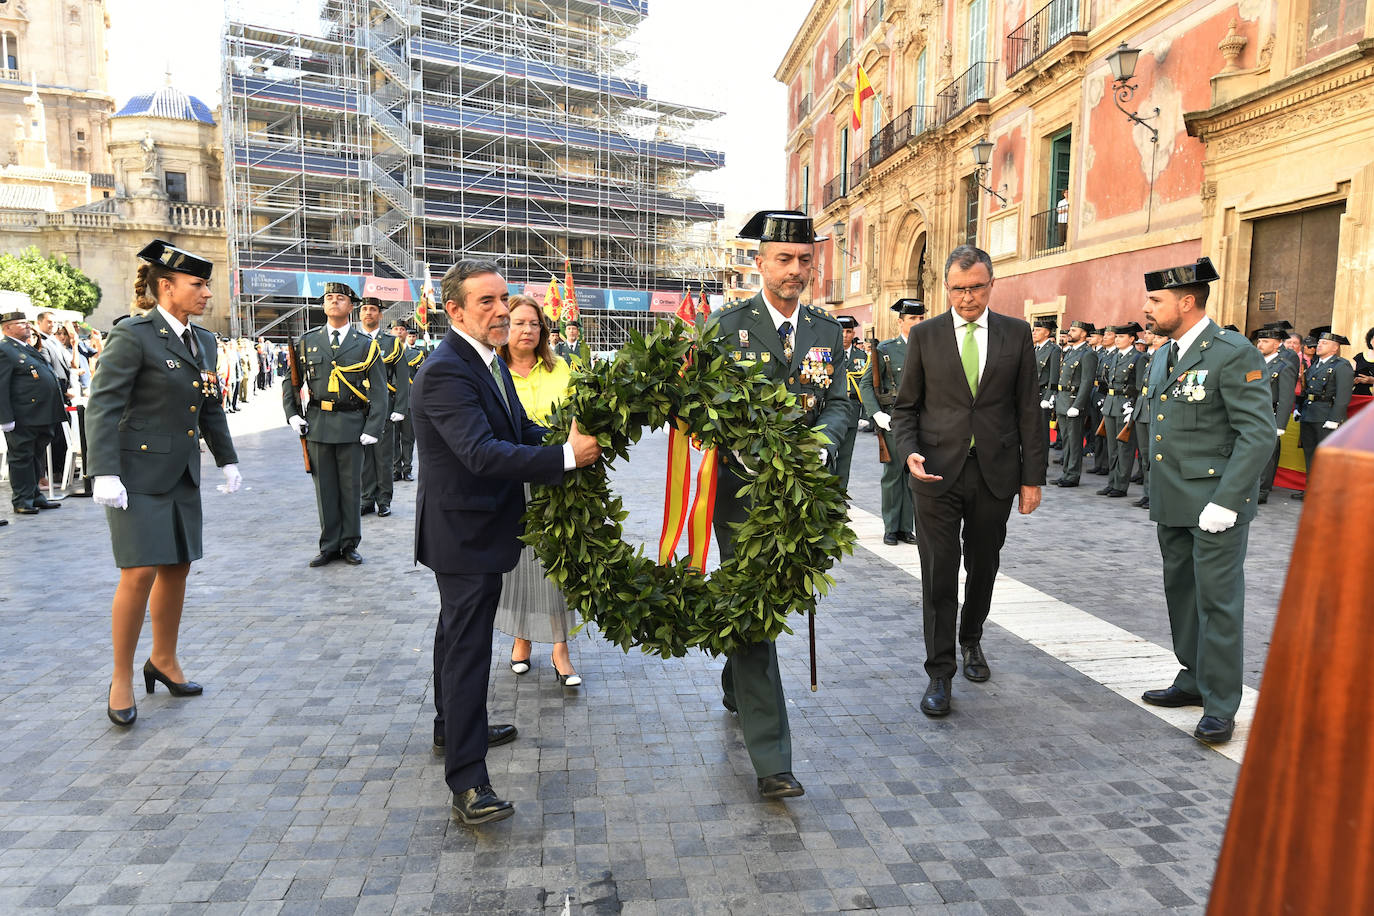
[532,607]
[158,529]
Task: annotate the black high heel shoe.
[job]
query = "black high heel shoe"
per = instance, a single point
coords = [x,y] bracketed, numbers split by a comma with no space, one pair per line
[567,680]
[185,689]
[121,717]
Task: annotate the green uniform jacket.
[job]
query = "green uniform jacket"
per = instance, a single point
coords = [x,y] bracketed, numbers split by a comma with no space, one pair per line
[1076,374]
[1211,429]
[891,356]
[1326,389]
[1121,384]
[1283,379]
[816,374]
[358,405]
[397,373]
[855,365]
[30,392]
[151,401]
[1048,358]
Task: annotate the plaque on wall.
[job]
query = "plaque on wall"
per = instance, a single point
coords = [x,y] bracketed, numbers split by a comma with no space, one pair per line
[1268,300]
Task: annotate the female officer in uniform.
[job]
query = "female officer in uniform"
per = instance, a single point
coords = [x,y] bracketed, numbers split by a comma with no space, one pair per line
[154,394]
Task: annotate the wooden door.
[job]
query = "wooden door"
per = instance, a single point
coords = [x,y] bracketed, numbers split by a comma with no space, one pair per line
[1293,268]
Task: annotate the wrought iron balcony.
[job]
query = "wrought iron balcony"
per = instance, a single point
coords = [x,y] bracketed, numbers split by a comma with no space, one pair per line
[803,108]
[834,190]
[913,122]
[1048,235]
[844,55]
[1050,25]
[973,85]
[873,16]
[858,170]
[835,292]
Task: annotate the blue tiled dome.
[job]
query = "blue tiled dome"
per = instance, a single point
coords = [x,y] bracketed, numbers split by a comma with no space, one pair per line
[167,102]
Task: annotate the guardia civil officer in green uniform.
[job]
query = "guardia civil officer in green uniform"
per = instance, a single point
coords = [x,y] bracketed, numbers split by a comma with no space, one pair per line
[852,361]
[378,459]
[899,511]
[798,346]
[31,407]
[1143,438]
[1072,396]
[1211,432]
[1326,388]
[347,409]
[403,432]
[1106,356]
[1282,378]
[1048,357]
[154,395]
[1122,392]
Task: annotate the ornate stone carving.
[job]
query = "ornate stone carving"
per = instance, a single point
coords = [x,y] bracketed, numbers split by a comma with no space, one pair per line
[1266,53]
[1230,48]
[1209,197]
[1289,124]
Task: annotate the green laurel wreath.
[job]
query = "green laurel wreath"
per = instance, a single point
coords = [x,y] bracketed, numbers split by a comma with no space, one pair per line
[795,531]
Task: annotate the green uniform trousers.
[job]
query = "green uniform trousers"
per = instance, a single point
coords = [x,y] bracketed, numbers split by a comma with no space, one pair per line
[404,439]
[1071,428]
[378,482]
[751,681]
[1204,586]
[1120,455]
[845,457]
[27,447]
[338,493]
[899,508]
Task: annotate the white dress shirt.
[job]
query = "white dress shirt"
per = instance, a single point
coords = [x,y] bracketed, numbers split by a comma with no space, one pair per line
[980,334]
[1189,336]
[778,317]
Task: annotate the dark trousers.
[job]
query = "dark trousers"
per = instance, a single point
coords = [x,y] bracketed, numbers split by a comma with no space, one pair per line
[338,493]
[845,457]
[1143,443]
[405,447]
[1204,587]
[1271,469]
[377,474]
[1099,443]
[1045,415]
[1311,435]
[27,447]
[966,514]
[1071,433]
[462,667]
[1120,455]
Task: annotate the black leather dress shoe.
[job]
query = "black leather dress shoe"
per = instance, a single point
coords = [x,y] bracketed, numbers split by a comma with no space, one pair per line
[396,476]
[780,785]
[936,699]
[480,805]
[43,502]
[1064,482]
[1214,729]
[1263,498]
[25,510]
[324,558]
[1297,495]
[407,476]
[1142,503]
[1137,479]
[906,537]
[438,745]
[4,522]
[351,556]
[1105,491]
[498,735]
[890,538]
[383,511]
[1116,494]
[367,510]
[1172,697]
[975,663]
[1100,472]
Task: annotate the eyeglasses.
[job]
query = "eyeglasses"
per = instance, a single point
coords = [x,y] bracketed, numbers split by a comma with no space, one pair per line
[967,290]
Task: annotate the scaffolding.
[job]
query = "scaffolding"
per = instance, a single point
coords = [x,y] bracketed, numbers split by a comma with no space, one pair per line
[399,138]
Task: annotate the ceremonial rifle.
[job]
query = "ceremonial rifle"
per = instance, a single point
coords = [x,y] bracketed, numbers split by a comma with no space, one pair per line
[294,361]
[884,456]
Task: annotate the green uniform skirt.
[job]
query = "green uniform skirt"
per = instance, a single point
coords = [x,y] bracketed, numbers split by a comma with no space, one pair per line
[158,529]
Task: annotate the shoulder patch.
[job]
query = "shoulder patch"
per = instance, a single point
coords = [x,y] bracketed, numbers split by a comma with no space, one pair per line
[1253,376]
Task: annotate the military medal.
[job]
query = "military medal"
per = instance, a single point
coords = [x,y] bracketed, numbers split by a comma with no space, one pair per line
[765,356]
[744,338]
[171,364]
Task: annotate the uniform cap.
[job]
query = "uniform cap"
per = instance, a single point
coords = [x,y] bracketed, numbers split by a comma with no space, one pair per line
[1186,275]
[848,322]
[7,317]
[909,307]
[1319,330]
[1133,328]
[1336,337]
[1048,324]
[174,259]
[1271,334]
[1278,326]
[1230,327]
[1085,325]
[781,226]
[344,288]
[371,300]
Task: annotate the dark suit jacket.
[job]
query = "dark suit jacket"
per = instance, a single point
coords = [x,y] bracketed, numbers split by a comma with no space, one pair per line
[474,459]
[30,392]
[936,415]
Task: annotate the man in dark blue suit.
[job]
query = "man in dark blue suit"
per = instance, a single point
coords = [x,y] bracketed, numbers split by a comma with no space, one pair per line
[477,449]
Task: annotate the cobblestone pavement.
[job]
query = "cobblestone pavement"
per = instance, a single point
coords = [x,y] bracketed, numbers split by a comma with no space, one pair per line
[303,782]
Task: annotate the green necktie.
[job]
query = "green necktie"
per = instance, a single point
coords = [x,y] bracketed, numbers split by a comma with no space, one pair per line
[970,361]
[500,383]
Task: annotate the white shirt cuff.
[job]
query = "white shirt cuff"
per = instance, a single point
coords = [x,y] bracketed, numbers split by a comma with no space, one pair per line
[569,460]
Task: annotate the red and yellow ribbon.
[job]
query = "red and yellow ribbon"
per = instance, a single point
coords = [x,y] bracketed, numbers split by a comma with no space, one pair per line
[677,494]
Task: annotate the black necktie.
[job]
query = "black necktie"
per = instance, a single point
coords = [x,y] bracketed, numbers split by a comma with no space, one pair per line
[335,344]
[785,334]
[189,339]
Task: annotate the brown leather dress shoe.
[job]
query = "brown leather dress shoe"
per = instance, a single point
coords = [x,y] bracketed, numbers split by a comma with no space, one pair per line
[780,785]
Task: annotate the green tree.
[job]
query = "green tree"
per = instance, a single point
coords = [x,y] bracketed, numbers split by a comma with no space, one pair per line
[50,282]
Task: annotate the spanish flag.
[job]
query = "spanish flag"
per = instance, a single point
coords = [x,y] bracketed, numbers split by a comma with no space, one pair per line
[569,294]
[863,91]
[426,302]
[553,302]
[686,309]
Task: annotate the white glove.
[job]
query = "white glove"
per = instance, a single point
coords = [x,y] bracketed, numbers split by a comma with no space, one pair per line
[883,420]
[1045,405]
[1127,411]
[1215,519]
[1330,424]
[298,424]
[232,479]
[397,417]
[365,439]
[108,490]
[1072,412]
[1279,432]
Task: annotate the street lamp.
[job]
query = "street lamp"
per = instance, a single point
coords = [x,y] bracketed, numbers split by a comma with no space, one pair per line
[1122,62]
[982,155]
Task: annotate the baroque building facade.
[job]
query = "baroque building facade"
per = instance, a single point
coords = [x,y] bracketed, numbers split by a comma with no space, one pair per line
[1252,146]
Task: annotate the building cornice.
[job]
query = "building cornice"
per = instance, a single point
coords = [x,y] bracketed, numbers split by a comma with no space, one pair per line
[806,38]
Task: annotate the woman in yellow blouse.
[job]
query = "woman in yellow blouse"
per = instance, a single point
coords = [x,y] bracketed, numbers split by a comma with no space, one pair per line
[532,609]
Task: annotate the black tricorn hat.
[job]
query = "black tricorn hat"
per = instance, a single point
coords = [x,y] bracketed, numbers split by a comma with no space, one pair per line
[371,300]
[909,307]
[343,288]
[781,226]
[848,322]
[1336,337]
[1187,275]
[1278,326]
[1267,333]
[1132,329]
[1048,323]
[165,255]
[1230,327]
[7,317]
[1319,330]
[1085,325]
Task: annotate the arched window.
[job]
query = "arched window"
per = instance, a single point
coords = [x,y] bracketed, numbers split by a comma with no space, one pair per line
[9,51]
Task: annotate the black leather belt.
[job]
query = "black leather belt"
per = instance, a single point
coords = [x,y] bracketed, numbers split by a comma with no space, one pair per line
[340,407]
[1312,399]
